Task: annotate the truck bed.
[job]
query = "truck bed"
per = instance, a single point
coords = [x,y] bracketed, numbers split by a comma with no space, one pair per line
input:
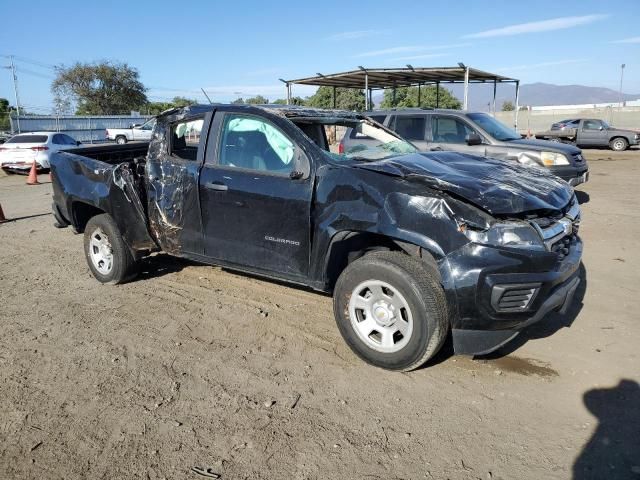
[103,179]
[567,134]
[114,154]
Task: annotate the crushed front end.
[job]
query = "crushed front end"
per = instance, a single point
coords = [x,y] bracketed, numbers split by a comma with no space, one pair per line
[498,289]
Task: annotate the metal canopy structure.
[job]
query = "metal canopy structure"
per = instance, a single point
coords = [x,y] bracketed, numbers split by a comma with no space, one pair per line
[368,79]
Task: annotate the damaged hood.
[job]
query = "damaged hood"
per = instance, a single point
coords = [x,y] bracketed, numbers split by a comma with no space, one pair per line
[546,145]
[498,187]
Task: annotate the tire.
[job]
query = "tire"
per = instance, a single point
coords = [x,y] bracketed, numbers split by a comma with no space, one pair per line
[109,258]
[385,281]
[618,144]
[121,139]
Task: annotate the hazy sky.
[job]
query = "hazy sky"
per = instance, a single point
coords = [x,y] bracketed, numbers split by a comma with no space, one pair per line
[241,48]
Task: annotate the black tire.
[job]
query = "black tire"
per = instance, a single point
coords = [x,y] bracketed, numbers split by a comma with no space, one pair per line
[121,139]
[618,144]
[123,265]
[418,282]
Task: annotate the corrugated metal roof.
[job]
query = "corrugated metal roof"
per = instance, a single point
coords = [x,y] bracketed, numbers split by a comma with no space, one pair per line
[379,78]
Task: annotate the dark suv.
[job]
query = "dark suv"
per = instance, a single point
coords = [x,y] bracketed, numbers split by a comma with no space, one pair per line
[479,134]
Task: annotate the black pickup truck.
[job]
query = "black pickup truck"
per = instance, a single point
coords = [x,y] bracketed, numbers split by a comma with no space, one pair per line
[412,245]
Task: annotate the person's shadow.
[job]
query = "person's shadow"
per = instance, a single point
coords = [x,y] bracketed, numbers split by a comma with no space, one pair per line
[614,449]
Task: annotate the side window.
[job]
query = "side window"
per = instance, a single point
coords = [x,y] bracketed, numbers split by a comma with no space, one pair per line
[68,140]
[449,130]
[185,138]
[58,140]
[411,128]
[253,143]
[591,125]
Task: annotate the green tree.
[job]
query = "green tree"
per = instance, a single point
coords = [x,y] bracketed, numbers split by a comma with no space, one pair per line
[346,98]
[238,101]
[508,106]
[155,108]
[103,88]
[294,101]
[257,100]
[5,111]
[407,97]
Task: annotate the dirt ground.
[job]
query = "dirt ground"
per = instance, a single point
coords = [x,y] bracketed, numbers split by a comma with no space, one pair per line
[194,366]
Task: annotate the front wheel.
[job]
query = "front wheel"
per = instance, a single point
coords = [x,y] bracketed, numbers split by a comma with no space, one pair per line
[618,144]
[391,310]
[108,256]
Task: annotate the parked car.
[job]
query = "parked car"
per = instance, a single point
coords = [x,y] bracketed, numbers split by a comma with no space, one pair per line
[591,132]
[412,245]
[133,133]
[18,153]
[479,134]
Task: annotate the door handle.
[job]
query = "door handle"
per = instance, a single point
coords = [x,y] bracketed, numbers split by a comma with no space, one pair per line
[221,187]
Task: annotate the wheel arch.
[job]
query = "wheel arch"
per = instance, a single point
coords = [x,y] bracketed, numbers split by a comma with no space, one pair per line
[81,213]
[349,245]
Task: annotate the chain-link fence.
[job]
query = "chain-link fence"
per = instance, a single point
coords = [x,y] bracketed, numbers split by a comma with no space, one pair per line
[87,129]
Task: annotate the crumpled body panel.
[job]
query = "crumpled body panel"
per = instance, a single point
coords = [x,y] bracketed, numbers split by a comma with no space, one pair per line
[498,187]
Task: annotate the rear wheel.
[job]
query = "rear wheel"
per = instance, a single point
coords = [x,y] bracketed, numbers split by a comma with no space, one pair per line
[108,257]
[619,144]
[121,139]
[391,310]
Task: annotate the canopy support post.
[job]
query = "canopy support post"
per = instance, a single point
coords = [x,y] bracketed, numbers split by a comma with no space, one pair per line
[466,88]
[437,94]
[366,90]
[517,100]
[493,103]
[419,95]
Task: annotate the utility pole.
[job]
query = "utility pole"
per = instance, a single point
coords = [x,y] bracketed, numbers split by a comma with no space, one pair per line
[15,89]
[621,75]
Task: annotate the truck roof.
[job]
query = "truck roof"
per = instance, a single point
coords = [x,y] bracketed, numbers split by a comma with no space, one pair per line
[289,111]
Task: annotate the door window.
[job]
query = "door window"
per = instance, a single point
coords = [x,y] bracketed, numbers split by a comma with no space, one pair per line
[185,138]
[411,127]
[592,125]
[449,130]
[253,143]
[58,140]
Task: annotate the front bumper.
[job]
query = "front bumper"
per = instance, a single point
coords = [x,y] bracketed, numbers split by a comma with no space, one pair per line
[473,275]
[572,174]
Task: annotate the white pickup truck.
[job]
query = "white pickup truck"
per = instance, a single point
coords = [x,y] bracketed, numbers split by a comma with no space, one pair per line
[135,132]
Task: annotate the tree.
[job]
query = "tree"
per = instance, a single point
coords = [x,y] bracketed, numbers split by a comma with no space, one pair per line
[346,98]
[508,106]
[104,88]
[5,111]
[155,108]
[257,100]
[238,101]
[407,97]
[294,101]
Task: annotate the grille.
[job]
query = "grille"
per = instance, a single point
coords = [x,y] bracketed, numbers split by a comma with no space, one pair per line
[513,298]
[563,246]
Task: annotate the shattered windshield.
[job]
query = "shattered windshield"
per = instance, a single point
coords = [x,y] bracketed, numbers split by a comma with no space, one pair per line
[365,141]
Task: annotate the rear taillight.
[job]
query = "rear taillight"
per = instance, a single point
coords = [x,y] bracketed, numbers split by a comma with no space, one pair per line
[39,149]
[3,149]
[340,148]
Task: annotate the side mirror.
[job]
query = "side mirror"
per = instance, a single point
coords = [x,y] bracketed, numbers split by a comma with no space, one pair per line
[473,139]
[134,125]
[600,127]
[78,143]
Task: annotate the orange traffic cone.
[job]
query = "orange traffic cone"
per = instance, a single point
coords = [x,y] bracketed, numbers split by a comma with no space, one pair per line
[33,175]
[2,217]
